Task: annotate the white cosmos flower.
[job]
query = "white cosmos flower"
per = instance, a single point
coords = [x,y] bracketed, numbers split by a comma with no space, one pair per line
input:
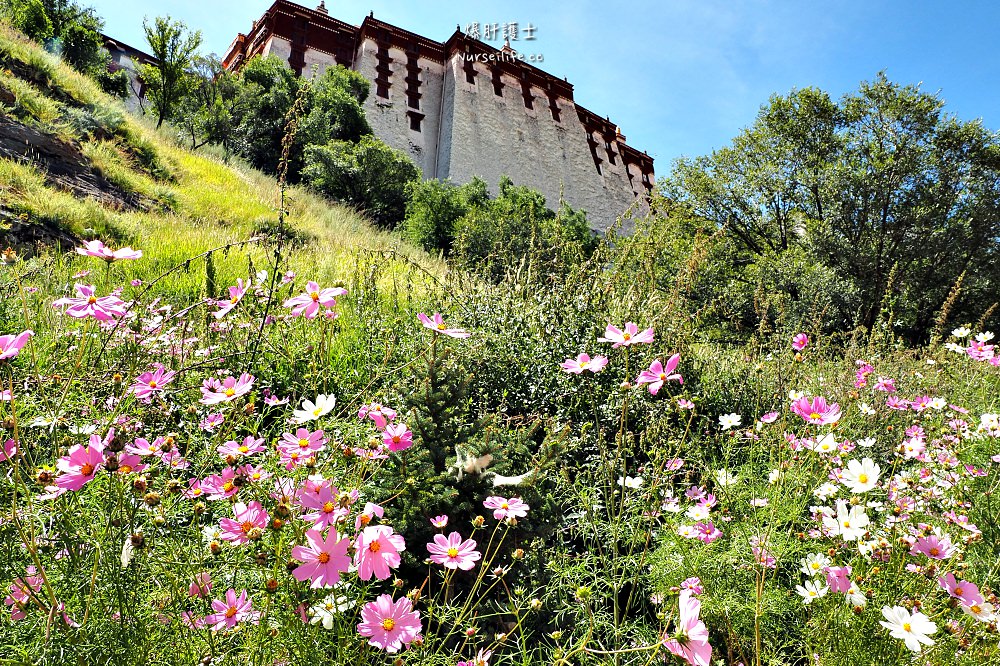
[728,421]
[630,481]
[813,564]
[867,442]
[698,512]
[850,522]
[938,403]
[862,476]
[335,603]
[865,408]
[811,590]
[826,444]
[983,612]
[855,597]
[313,410]
[826,491]
[961,332]
[911,629]
[773,476]
[794,395]
[952,347]
[725,479]
[686,531]
[985,336]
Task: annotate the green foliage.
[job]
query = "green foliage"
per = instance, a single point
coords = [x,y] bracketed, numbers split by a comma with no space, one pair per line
[433,208]
[29,17]
[884,176]
[366,174]
[173,47]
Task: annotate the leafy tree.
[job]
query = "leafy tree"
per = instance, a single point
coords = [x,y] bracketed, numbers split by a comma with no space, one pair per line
[173,47]
[30,18]
[206,114]
[367,174]
[883,178]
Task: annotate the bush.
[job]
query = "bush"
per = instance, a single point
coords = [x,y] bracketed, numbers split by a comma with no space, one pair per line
[368,175]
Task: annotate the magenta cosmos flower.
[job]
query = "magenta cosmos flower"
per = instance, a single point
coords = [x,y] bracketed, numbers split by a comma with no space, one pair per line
[148,383]
[96,248]
[79,467]
[506,508]
[324,559]
[214,392]
[838,578]
[816,411]
[249,517]
[389,625]
[452,552]
[86,304]
[690,641]
[377,550]
[11,345]
[21,591]
[584,362]
[235,296]
[967,593]
[629,336]
[323,505]
[800,342]
[436,324]
[934,547]
[308,304]
[397,437]
[232,611]
[658,374]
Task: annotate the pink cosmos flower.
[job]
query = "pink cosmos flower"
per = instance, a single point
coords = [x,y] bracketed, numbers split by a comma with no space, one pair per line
[397,437]
[323,505]
[706,532]
[235,296]
[255,474]
[248,447]
[629,336]
[221,486]
[584,362]
[838,578]
[482,658]
[816,411]
[452,552]
[249,517]
[378,413]
[308,304]
[861,374]
[21,591]
[214,392]
[693,584]
[897,403]
[886,385]
[506,508]
[86,304]
[304,442]
[96,248]
[232,611]
[201,586]
[437,325]
[389,625]
[658,374]
[211,422]
[79,467]
[770,417]
[370,511]
[377,550]
[148,383]
[439,521]
[324,559]
[684,403]
[967,593]
[934,547]
[800,341]
[8,450]
[126,463]
[690,641]
[11,345]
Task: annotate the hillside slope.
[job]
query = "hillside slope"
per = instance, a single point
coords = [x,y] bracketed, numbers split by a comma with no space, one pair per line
[75,165]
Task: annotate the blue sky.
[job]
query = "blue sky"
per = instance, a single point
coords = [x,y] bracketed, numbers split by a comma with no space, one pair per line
[682,77]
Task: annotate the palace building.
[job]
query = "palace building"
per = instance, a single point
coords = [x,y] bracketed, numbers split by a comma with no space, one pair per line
[462,108]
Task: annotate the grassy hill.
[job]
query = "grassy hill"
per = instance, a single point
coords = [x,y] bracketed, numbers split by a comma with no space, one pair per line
[75,165]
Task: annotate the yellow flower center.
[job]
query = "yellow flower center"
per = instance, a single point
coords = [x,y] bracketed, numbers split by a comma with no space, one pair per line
[87,469]
[453,552]
[323,558]
[815,566]
[814,416]
[303,443]
[935,551]
[231,611]
[230,393]
[314,295]
[243,449]
[627,336]
[388,624]
[395,439]
[976,609]
[374,546]
[862,478]
[91,300]
[505,506]
[316,412]
[152,384]
[441,327]
[958,591]
[125,469]
[234,300]
[227,486]
[246,526]
[329,507]
[906,626]
[663,376]
[365,519]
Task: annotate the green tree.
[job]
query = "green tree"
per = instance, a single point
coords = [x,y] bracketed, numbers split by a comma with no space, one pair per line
[30,18]
[206,113]
[173,47]
[433,208]
[368,175]
[882,178]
